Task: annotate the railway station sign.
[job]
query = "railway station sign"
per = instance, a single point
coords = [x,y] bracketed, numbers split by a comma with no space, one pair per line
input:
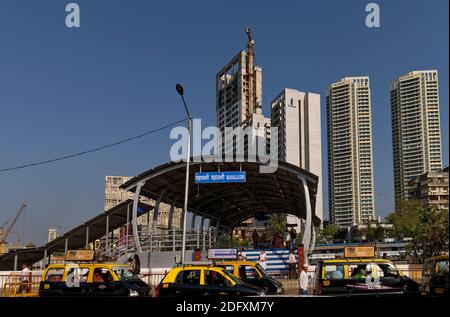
[220,177]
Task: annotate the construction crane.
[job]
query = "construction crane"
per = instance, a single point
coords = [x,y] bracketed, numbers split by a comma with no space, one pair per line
[10,227]
[250,57]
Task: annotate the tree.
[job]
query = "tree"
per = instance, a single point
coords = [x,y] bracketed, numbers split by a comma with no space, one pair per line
[276,224]
[405,219]
[326,234]
[431,235]
[427,225]
[374,233]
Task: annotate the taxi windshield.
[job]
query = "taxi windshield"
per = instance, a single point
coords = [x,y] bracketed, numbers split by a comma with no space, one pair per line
[125,274]
[232,277]
[261,270]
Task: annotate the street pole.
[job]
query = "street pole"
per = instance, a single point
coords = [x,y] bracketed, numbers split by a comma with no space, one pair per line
[188,159]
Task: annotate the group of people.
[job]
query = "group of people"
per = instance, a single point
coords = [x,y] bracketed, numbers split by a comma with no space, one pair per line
[288,241]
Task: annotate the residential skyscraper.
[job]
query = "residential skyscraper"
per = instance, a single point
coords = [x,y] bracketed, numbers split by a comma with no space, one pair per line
[350,159]
[296,114]
[430,188]
[416,135]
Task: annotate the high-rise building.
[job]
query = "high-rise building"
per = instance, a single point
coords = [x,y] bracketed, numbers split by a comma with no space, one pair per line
[297,116]
[52,234]
[416,136]
[232,92]
[239,100]
[114,195]
[350,159]
[430,188]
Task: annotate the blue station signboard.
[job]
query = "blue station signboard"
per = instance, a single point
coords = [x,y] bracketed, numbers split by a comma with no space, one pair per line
[220,177]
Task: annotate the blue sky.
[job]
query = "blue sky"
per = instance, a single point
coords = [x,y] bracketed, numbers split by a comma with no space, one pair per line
[66,90]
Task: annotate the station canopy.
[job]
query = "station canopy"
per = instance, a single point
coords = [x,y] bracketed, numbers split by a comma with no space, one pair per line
[230,203]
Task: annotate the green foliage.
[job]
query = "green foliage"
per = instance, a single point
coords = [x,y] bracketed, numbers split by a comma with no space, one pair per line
[405,219]
[428,227]
[375,232]
[325,235]
[431,236]
[276,224]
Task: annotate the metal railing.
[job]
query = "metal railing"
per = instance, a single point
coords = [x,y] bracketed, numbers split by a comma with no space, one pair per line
[159,241]
[20,284]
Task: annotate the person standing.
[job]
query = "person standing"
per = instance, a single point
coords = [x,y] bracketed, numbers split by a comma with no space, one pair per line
[241,256]
[304,281]
[255,238]
[25,280]
[262,259]
[197,255]
[292,264]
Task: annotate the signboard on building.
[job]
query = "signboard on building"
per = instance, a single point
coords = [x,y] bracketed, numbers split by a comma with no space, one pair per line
[217,254]
[220,177]
[359,252]
[80,255]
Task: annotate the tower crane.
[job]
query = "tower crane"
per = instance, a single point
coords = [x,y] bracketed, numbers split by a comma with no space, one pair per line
[10,227]
[250,57]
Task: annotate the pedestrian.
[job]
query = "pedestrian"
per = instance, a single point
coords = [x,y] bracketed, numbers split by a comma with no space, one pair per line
[262,259]
[292,264]
[255,238]
[197,255]
[293,236]
[304,281]
[276,240]
[241,256]
[25,279]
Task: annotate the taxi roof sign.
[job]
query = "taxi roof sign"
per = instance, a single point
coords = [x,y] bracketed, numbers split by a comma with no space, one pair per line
[80,255]
[359,252]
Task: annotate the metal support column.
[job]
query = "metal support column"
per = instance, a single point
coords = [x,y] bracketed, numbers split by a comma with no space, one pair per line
[87,238]
[44,263]
[137,192]
[16,260]
[170,220]
[306,240]
[127,230]
[66,246]
[107,237]
[156,211]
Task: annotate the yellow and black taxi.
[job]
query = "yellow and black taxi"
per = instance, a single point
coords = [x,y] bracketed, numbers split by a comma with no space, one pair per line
[194,280]
[252,273]
[355,276]
[435,276]
[91,279]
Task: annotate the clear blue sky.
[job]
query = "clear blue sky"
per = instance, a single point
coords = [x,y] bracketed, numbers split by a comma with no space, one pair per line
[65,90]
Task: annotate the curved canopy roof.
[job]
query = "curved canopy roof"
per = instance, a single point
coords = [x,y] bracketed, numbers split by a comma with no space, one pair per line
[230,203]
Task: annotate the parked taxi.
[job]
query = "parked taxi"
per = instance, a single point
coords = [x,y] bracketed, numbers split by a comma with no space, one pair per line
[252,273]
[87,279]
[193,280]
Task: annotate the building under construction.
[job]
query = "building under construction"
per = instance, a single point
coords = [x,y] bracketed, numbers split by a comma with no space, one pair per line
[239,93]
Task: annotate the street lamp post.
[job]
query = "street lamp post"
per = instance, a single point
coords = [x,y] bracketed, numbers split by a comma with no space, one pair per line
[180,91]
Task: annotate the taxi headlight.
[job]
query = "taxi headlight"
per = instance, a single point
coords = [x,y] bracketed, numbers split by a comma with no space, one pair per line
[133,294]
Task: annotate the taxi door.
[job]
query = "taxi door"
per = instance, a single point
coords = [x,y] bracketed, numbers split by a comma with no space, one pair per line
[334,278]
[187,283]
[217,284]
[103,283]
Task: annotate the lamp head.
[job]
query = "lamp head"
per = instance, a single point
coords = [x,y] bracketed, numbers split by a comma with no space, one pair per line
[179,89]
